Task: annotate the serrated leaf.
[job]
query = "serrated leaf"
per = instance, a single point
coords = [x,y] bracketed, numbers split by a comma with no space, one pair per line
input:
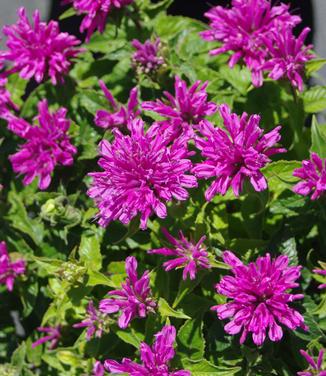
[190,339]
[90,252]
[314,99]
[167,311]
[318,138]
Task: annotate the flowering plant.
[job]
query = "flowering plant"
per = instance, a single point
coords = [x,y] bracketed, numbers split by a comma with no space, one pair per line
[162,193]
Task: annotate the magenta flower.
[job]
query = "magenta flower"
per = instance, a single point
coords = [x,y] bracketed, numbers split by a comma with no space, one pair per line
[134,299]
[288,55]
[188,107]
[147,56]
[259,298]
[186,255]
[155,359]
[121,115]
[9,270]
[47,145]
[313,176]
[98,369]
[241,30]
[141,173]
[234,154]
[6,104]
[53,336]
[96,13]
[39,50]
[316,367]
[323,273]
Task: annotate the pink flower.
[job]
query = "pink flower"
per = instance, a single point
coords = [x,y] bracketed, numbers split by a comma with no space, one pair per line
[141,173]
[288,55]
[98,369]
[241,29]
[6,104]
[122,114]
[323,273]
[313,176]
[259,298]
[186,108]
[53,336]
[155,359]
[188,255]
[134,299]
[96,13]
[9,270]
[233,155]
[316,367]
[39,50]
[47,145]
[147,56]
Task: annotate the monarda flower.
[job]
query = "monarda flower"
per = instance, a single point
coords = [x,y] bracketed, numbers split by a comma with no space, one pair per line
[313,176]
[186,108]
[155,359]
[288,55]
[141,173]
[185,255]
[315,368]
[241,29]
[6,104]
[53,336]
[121,115]
[39,50]
[235,154]
[47,144]
[147,57]
[259,298]
[9,270]
[133,300]
[96,13]
[98,369]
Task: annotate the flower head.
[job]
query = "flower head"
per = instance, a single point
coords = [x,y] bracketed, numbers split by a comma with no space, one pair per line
[234,154]
[313,176]
[259,297]
[186,255]
[141,173]
[241,29]
[47,145]
[155,359]
[121,115]
[315,367]
[53,336]
[39,50]
[134,299]
[147,56]
[6,103]
[321,272]
[187,107]
[9,270]
[96,13]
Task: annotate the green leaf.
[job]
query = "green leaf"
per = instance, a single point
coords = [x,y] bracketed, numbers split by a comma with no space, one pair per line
[167,311]
[18,357]
[318,138]
[190,339]
[289,248]
[97,278]
[205,368]
[314,99]
[130,337]
[90,252]
[314,65]
[70,12]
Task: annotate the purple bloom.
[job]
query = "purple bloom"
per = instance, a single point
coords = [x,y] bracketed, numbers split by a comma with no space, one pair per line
[147,56]
[121,115]
[259,297]
[288,55]
[96,13]
[316,367]
[313,176]
[233,155]
[323,273]
[241,29]
[155,359]
[134,299]
[39,50]
[9,270]
[95,323]
[53,336]
[187,107]
[98,369]
[186,255]
[141,173]
[47,145]
[5,101]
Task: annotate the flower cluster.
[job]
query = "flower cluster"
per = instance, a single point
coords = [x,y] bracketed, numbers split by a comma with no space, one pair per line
[133,300]
[39,50]
[233,155]
[259,297]
[187,255]
[9,270]
[147,58]
[316,366]
[155,359]
[141,173]
[262,36]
